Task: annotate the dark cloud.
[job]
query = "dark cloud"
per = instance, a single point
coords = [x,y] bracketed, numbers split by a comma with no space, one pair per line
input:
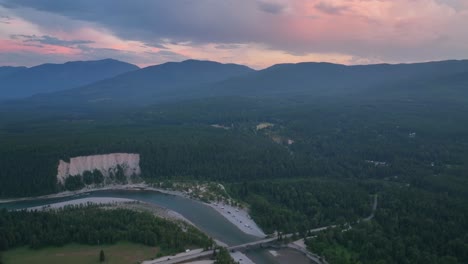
[5,19]
[165,53]
[33,45]
[149,21]
[455,4]
[229,23]
[145,58]
[49,40]
[26,58]
[156,45]
[228,46]
[271,7]
[331,9]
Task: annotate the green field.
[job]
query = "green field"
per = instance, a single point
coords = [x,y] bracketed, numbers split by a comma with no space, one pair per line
[119,253]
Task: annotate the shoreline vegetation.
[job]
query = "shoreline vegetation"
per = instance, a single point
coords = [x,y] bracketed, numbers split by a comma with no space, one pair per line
[96,225]
[230,212]
[238,216]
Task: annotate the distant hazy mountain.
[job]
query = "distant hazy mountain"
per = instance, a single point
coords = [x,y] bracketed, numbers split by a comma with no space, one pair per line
[335,79]
[55,77]
[7,70]
[190,79]
[150,84]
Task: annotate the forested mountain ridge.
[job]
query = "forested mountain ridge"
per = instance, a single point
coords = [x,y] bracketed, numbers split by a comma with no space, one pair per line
[172,82]
[165,82]
[326,79]
[49,77]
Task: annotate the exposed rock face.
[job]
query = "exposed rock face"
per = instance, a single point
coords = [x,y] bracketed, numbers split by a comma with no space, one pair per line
[130,163]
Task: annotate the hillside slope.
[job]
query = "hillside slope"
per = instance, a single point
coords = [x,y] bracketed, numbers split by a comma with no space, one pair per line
[55,77]
[320,79]
[173,80]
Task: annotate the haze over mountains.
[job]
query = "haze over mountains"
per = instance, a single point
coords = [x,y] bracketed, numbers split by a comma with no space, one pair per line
[17,82]
[335,79]
[152,84]
[110,82]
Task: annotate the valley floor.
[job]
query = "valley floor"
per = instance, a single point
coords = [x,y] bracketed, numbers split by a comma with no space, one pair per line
[120,253]
[237,216]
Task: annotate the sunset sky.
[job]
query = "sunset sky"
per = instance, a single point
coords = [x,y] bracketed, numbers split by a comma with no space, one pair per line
[257,33]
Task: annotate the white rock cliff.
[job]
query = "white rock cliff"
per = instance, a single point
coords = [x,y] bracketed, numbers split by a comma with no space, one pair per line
[104,163]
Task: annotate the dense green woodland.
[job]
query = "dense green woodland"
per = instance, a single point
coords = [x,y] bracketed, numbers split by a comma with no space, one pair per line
[298,205]
[326,154]
[92,225]
[410,226]
[324,177]
[332,139]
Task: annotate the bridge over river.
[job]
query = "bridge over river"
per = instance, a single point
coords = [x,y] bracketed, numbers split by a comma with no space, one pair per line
[251,245]
[261,243]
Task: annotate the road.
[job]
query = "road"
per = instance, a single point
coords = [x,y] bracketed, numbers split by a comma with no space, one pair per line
[374,208]
[251,244]
[317,259]
[174,260]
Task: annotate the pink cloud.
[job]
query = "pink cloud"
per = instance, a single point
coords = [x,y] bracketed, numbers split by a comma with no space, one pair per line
[392,30]
[284,30]
[16,46]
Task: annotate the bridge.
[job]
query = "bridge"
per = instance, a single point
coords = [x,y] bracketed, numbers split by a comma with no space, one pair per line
[263,242]
[250,245]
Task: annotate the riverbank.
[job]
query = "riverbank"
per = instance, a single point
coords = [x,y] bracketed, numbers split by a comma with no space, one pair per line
[129,187]
[156,210]
[237,216]
[122,203]
[240,218]
[82,201]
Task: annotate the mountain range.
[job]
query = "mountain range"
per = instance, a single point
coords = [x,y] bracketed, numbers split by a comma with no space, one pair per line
[19,82]
[115,83]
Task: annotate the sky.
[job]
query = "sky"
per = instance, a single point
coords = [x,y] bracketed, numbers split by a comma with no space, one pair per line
[257,33]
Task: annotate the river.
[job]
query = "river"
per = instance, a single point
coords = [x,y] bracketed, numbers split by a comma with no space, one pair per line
[203,216]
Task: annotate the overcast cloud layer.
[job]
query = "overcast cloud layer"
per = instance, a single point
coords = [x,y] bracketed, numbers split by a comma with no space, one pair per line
[258,33]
